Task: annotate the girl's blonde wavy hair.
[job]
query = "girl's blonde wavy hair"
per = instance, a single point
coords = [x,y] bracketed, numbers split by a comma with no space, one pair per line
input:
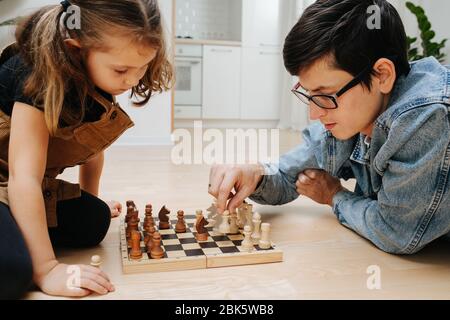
[57,67]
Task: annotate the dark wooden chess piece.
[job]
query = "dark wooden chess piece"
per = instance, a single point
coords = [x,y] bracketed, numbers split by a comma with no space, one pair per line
[148,220]
[202,232]
[180,227]
[156,252]
[135,252]
[164,218]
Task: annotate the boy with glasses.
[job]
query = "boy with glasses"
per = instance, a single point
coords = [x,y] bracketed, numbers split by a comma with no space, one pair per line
[381,120]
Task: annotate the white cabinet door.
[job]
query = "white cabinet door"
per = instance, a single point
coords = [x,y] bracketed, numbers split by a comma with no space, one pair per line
[262,71]
[261,23]
[221,82]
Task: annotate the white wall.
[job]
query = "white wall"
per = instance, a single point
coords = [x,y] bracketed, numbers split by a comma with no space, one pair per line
[153,122]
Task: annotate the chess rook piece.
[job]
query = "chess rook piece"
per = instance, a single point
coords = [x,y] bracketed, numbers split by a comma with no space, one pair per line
[202,232]
[256,235]
[225,225]
[96,261]
[180,227]
[247,243]
[163,216]
[156,251]
[135,252]
[265,242]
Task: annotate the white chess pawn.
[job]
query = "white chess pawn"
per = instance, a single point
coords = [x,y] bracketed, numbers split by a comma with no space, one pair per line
[265,243]
[96,261]
[256,235]
[225,225]
[233,223]
[247,243]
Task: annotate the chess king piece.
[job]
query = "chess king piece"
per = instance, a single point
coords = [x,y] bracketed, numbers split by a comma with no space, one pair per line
[135,253]
[265,242]
[256,235]
[249,215]
[164,218]
[96,261]
[202,232]
[225,225]
[247,243]
[156,252]
[180,227]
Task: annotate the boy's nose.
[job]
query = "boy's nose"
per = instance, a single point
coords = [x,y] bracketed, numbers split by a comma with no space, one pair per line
[315,112]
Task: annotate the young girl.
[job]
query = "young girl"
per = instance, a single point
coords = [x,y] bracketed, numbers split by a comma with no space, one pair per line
[57,110]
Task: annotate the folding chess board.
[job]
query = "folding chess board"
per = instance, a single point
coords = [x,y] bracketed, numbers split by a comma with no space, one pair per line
[182,251]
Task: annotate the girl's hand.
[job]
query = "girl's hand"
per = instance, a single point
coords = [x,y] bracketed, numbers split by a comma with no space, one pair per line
[318,185]
[74,281]
[116,208]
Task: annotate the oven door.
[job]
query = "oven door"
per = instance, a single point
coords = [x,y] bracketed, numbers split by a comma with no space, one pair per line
[188,86]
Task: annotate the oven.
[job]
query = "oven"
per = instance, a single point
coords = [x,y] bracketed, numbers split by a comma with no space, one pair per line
[188,86]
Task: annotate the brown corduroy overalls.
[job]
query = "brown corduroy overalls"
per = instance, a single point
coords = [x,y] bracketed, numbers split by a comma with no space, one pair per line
[71,146]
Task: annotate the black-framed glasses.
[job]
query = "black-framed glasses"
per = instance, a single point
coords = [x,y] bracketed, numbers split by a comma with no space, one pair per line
[326,101]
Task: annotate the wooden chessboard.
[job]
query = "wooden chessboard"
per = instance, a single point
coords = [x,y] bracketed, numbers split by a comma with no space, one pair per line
[182,251]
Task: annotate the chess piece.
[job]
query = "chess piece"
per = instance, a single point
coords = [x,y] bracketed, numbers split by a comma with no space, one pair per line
[247,243]
[148,238]
[265,242]
[163,216]
[148,220]
[225,225]
[130,211]
[130,203]
[180,227]
[234,229]
[256,235]
[135,252]
[96,261]
[156,251]
[241,216]
[133,224]
[202,232]
[249,216]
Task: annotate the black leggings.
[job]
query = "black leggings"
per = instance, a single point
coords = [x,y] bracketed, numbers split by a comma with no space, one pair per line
[82,222]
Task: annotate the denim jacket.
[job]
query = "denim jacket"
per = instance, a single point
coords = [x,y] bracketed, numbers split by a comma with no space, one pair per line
[402,197]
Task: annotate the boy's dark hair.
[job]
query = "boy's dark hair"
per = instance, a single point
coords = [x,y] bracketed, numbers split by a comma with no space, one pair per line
[340,28]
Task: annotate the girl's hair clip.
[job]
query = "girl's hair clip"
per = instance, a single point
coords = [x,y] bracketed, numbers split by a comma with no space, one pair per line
[65,4]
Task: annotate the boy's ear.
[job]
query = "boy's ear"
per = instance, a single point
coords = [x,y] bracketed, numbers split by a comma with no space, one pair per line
[72,43]
[386,74]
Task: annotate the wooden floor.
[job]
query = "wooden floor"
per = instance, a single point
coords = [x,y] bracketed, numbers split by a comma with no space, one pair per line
[322,259]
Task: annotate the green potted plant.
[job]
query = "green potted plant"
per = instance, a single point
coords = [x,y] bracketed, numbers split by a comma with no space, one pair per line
[429,47]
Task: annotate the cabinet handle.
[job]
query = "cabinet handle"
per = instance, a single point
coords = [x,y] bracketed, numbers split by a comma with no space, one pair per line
[268,45]
[223,51]
[268,53]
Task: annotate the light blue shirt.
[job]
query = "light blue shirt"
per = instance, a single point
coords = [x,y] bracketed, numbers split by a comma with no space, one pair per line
[402,198]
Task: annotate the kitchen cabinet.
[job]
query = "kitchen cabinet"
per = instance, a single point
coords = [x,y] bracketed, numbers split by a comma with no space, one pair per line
[221,82]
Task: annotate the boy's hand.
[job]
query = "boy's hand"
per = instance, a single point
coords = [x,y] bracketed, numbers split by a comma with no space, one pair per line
[74,281]
[318,185]
[116,208]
